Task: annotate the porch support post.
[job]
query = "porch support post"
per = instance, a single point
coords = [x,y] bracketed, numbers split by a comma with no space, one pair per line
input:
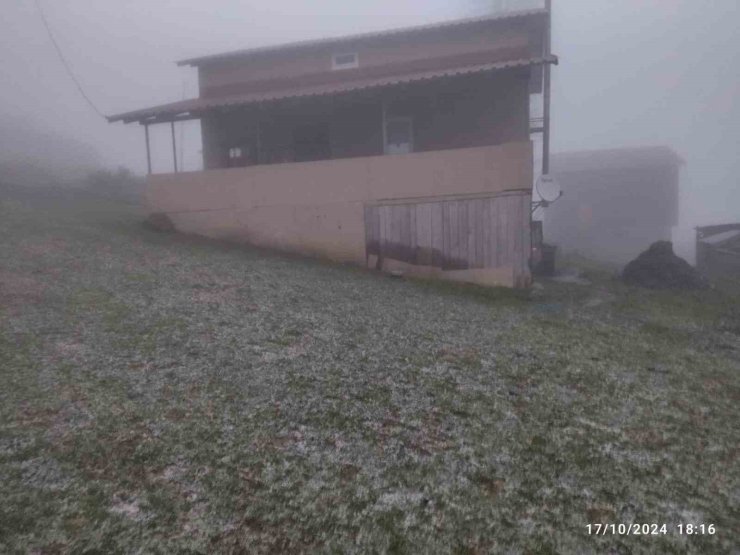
[259,136]
[148,149]
[174,145]
[546,92]
[383,117]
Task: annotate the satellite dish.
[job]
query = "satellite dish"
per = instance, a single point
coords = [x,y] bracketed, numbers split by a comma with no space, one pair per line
[548,188]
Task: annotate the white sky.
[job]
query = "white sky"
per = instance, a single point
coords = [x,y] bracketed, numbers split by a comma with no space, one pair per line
[632,72]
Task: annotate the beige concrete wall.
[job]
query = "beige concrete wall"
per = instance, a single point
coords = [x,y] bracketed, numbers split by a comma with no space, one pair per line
[316,208]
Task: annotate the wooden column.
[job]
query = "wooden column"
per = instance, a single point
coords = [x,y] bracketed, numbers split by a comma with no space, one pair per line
[148,149]
[174,145]
[259,136]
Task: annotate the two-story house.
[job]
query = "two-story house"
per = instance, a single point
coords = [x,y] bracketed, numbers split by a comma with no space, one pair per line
[404,150]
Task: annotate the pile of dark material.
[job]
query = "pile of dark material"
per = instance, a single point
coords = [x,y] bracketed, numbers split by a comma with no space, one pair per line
[659,268]
[159,221]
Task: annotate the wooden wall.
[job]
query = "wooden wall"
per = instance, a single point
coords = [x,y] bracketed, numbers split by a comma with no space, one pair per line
[482,42]
[481,232]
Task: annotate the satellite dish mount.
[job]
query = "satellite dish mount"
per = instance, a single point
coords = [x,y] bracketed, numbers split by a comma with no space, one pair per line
[549,191]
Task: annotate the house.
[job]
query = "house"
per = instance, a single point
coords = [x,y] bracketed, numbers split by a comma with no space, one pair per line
[718,250]
[403,150]
[615,202]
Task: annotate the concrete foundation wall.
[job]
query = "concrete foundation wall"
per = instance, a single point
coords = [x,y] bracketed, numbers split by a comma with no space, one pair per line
[317,208]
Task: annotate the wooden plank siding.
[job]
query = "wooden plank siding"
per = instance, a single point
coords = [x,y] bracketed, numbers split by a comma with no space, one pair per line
[491,231]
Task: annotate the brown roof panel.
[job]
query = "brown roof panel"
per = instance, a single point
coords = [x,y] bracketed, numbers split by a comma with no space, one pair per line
[194,108]
[476,57]
[503,16]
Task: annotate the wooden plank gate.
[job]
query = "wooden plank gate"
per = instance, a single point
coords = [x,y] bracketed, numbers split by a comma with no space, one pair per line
[452,233]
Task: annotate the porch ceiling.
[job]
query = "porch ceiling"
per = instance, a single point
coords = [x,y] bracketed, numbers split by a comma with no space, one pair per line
[196,107]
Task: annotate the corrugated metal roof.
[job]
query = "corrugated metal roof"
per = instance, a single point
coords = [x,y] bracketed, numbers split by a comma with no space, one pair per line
[720,238]
[196,106]
[363,36]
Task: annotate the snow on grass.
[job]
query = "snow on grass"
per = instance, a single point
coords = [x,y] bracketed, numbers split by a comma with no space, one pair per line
[164,393]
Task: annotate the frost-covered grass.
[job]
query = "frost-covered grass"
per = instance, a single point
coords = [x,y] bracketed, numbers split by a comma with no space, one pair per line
[164,394]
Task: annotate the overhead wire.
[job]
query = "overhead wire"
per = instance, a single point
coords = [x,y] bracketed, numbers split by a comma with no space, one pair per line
[64,61]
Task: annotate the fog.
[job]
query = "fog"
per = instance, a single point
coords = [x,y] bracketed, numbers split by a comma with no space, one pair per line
[373,345]
[631,73]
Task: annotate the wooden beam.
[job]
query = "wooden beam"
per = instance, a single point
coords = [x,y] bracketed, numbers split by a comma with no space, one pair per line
[163,119]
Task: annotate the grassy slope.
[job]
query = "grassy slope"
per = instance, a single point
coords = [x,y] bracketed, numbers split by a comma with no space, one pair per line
[169,394]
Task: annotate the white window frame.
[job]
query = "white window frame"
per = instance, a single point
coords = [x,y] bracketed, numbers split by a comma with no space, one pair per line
[351,65]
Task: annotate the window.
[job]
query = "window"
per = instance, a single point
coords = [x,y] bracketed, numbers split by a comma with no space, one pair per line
[344,61]
[399,135]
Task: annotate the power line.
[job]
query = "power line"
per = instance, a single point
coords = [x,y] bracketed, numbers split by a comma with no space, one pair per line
[66,65]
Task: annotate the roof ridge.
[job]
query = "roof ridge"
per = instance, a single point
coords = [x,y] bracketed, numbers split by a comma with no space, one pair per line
[358,36]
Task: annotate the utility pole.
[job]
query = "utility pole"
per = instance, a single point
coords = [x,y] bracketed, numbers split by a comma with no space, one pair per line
[546,91]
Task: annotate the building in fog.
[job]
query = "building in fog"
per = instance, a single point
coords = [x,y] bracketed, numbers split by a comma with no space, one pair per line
[718,250]
[407,149]
[615,203]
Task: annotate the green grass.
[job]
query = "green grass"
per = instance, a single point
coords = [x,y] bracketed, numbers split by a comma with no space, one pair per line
[168,394]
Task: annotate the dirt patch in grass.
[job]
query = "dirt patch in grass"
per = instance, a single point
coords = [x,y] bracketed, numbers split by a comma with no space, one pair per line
[17,289]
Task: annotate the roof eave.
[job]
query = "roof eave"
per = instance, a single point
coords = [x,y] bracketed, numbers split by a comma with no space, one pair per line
[169,112]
